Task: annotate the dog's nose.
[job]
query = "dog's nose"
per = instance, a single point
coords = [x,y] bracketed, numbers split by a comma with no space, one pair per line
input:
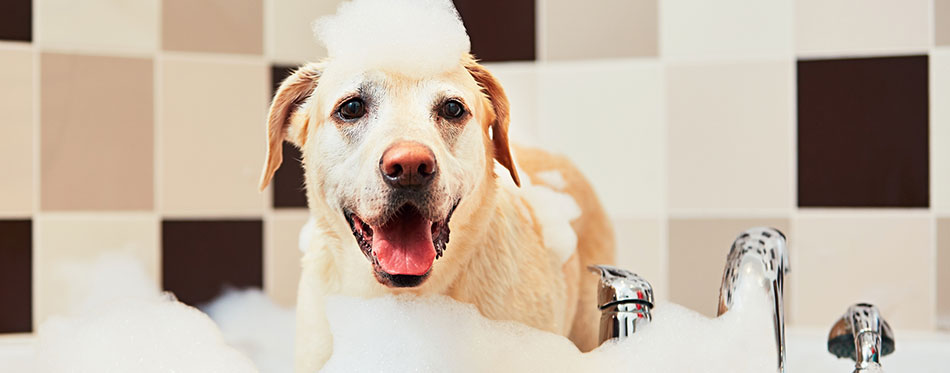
[408,164]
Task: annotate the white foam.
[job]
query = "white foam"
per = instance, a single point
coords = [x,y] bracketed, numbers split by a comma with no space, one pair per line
[256,326]
[411,36]
[437,334]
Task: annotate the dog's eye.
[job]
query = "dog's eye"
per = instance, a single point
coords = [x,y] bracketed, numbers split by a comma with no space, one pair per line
[352,109]
[452,109]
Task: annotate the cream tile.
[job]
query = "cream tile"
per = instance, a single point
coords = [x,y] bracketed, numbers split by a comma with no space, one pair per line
[97,25]
[289,34]
[282,255]
[940,131]
[729,144]
[606,117]
[861,26]
[584,30]
[884,258]
[520,82]
[728,28]
[219,26]
[97,133]
[64,241]
[942,22]
[640,249]
[943,273]
[16,132]
[697,257]
[212,136]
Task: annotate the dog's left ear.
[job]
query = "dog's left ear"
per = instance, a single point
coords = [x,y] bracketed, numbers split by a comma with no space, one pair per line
[282,124]
[499,124]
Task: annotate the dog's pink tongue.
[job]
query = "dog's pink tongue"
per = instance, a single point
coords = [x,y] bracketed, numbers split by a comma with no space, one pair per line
[403,246]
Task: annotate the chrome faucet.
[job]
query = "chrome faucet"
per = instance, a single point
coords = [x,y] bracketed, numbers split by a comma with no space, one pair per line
[625,301]
[863,336]
[763,247]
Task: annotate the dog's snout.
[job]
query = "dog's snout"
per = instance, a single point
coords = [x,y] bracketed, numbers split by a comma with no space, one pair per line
[408,164]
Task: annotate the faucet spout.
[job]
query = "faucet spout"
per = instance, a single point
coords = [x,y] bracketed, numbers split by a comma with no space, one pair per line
[862,335]
[764,248]
[625,301]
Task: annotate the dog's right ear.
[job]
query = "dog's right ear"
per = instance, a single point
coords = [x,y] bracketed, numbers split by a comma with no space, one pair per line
[282,124]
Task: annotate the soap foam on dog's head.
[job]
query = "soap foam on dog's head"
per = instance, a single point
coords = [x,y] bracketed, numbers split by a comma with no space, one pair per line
[414,37]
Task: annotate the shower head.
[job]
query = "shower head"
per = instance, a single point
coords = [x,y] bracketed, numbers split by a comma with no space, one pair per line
[861,335]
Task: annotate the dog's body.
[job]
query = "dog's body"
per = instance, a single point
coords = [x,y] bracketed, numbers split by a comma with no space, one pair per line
[398,161]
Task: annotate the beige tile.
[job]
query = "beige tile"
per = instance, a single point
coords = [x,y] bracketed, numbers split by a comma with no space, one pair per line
[282,255]
[289,32]
[940,131]
[697,257]
[220,26]
[606,117]
[16,132]
[883,258]
[861,26]
[96,133]
[943,272]
[728,28]
[520,82]
[640,249]
[65,241]
[942,22]
[597,29]
[212,136]
[97,25]
[729,145]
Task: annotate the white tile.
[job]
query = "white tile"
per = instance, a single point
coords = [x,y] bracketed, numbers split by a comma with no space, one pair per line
[594,29]
[940,131]
[606,117]
[520,82]
[732,28]
[97,25]
[288,31]
[729,129]
[839,27]
[884,258]
[640,249]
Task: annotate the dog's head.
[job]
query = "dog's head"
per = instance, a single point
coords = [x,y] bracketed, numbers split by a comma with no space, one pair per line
[392,154]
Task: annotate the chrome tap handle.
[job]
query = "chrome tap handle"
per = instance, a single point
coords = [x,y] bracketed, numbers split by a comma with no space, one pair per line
[862,335]
[765,247]
[625,301]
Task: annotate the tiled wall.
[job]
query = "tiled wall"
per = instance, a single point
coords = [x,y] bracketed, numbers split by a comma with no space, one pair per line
[137,127]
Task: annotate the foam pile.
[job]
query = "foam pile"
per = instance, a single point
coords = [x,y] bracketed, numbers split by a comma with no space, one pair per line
[421,37]
[437,334]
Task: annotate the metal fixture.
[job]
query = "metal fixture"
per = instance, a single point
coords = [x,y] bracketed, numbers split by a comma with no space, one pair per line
[765,249]
[861,335]
[625,301]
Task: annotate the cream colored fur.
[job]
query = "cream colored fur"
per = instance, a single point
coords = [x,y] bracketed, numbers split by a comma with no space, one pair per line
[495,259]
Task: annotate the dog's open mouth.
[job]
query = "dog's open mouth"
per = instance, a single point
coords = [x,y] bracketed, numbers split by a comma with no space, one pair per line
[403,248]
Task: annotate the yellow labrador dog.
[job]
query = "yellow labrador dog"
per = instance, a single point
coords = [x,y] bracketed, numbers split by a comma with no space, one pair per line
[400,177]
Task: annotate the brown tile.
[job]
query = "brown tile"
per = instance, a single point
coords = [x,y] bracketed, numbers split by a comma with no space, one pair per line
[96,133]
[943,272]
[697,257]
[16,276]
[862,132]
[221,26]
[16,20]
[500,30]
[200,258]
[584,30]
[16,131]
[942,22]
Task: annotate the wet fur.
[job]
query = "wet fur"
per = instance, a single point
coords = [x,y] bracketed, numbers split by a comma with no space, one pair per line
[495,259]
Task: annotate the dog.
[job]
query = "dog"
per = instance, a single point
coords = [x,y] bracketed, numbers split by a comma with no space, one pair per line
[401,181]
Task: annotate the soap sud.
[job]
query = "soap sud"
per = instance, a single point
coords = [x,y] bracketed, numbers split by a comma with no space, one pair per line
[415,37]
[125,325]
[256,326]
[438,334]
[553,210]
